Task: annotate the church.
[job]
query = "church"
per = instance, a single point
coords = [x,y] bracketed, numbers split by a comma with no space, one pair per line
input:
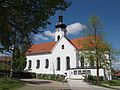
[63,56]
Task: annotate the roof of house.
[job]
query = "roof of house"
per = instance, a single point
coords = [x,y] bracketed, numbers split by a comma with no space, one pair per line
[78,43]
[5,58]
[118,74]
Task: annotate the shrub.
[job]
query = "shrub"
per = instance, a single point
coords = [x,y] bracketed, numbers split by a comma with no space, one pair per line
[23,75]
[92,79]
[17,75]
[51,77]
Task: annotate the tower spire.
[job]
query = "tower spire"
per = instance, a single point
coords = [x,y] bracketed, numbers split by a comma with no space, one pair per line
[60,23]
[61,18]
[60,30]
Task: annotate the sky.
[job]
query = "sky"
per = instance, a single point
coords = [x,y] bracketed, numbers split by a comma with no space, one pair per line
[78,14]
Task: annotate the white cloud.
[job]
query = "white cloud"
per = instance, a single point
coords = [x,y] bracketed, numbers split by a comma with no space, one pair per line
[74,28]
[38,37]
[49,34]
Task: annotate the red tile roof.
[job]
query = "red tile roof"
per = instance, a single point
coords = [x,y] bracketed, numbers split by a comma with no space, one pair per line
[117,74]
[5,58]
[40,48]
[78,43]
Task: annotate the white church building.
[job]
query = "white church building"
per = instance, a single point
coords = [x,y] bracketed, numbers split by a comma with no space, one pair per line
[61,57]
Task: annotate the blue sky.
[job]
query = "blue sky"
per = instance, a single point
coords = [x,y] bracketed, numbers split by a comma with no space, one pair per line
[80,11]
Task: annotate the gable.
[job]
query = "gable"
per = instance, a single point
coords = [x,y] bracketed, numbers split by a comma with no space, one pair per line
[63,41]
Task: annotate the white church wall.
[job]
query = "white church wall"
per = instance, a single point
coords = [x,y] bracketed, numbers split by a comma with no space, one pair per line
[68,50]
[42,59]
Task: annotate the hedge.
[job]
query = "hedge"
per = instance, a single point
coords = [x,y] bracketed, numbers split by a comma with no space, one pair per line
[17,75]
[55,77]
[93,80]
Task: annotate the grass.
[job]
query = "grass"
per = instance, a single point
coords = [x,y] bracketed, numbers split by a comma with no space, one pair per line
[10,84]
[111,82]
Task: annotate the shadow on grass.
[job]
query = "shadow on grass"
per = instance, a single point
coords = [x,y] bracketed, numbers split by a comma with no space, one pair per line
[37,82]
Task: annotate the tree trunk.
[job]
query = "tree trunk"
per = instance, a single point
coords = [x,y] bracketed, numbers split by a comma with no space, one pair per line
[98,79]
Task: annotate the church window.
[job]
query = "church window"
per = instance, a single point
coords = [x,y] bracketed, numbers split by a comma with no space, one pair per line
[58,37]
[67,62]
[47,63]
[29,64]
[82,61]
[58,63]
[38,64]
[62,46]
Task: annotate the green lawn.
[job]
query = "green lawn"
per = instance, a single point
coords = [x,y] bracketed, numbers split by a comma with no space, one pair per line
[10,84]
[112,82]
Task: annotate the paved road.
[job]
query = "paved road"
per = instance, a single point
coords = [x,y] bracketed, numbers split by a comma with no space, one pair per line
[38,84]
[81,85]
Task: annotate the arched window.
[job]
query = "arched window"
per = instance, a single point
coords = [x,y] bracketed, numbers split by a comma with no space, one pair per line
[67,62]
[29,64]
[82,61]
[58,63]
[47,63]
[58,37]
[38,64]
[62,46]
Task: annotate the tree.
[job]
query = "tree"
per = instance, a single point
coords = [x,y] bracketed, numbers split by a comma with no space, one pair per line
[19,61]
[95,46]
[20,18]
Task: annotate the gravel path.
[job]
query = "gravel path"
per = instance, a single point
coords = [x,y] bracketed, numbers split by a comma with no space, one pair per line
[38,84]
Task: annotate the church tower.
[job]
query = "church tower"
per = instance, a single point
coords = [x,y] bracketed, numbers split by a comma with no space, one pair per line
[60,30]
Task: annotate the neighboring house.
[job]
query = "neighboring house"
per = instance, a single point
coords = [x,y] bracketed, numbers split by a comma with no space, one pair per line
[5,62]
[60,57]
[5,59]
[117,76]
